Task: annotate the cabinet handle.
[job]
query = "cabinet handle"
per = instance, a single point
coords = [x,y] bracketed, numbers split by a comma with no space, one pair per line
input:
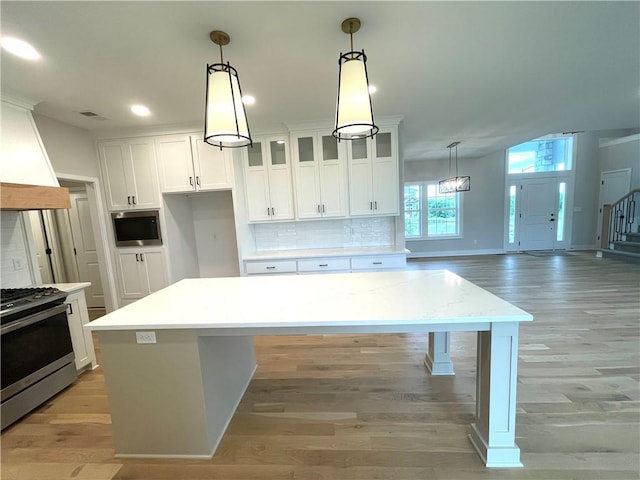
[377,263]
[137,257]
[70,309]
[273,212]
[191,181]
[129,200]
[375,204]
[318,208]
[197,180]
[370,205]
[268,211]
[323,208]
[271,268]
[134,199]
[323,264]
[142,257]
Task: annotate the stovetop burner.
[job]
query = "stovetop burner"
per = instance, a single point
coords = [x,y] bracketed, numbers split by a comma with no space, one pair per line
[16,302]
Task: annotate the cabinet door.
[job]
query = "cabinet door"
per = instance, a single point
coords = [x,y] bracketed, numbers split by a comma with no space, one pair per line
[175,165]
[154,270]
[74,317]
[133,283]
[385,174]
[213,167]
[280,191]
[307,183]
[256,184]
[332,177]
[144,174]
[360,177]
[115,162]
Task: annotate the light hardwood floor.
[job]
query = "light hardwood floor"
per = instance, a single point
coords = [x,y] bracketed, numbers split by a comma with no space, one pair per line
[362,406]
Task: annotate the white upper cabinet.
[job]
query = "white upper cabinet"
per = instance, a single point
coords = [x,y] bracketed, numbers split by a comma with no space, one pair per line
[373,174]
[320,180]
[187,164]
[130,174]
[268,179]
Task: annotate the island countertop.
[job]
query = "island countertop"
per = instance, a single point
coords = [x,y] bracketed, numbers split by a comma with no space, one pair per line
[395,301]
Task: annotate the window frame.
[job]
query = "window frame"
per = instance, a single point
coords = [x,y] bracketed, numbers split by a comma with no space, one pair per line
[424,210]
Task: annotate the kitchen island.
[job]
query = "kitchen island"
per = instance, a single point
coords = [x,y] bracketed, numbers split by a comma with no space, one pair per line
[177,362]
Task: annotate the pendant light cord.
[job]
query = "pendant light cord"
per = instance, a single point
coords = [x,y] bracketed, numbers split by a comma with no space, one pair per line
[221,60]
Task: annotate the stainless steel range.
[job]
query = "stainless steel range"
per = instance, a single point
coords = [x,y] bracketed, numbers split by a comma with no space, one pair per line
[36,351]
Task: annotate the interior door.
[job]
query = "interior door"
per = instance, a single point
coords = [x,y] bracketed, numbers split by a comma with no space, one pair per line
[538,214]
[85,247]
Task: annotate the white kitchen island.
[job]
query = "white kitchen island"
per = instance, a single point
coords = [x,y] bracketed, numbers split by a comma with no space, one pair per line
[175,397]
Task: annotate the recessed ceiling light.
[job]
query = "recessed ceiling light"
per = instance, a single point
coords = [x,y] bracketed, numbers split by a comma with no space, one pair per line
[372,89]
[248,99]
[20,48]
[140,110]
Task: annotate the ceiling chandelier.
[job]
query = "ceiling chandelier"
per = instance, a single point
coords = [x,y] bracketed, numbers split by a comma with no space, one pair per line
[354,113]
[225,121]
[454,183]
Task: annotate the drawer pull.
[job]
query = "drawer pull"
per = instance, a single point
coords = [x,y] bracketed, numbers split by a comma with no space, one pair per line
[271,268]
[377,263]
[323,264]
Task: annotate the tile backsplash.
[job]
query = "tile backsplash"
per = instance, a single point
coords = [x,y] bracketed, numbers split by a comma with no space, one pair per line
[14,260]
[342,233]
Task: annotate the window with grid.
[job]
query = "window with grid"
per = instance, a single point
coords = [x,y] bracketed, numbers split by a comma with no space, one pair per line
[430,214]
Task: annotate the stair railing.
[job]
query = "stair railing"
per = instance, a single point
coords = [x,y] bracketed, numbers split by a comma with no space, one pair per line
[619,219]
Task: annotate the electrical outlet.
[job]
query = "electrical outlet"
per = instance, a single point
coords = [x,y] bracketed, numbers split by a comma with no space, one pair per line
[145,337]
[17,264]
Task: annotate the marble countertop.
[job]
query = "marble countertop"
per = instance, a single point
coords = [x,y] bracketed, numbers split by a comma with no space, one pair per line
[69,287]
[391,300]
[324,252]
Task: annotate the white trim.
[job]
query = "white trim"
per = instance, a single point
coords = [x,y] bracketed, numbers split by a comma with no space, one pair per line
[455,253]
[593,246]
[618,141]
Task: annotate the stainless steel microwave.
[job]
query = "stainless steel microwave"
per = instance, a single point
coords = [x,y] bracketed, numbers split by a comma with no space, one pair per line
[136,228]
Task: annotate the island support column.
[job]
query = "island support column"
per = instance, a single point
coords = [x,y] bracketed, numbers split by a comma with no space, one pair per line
[493,433]
[438,357]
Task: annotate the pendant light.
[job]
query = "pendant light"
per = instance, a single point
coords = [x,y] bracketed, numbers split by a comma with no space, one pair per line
[456,183]
[225,121]
[354,113]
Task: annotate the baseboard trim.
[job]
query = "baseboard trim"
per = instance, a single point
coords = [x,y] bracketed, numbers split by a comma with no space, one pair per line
[455,253]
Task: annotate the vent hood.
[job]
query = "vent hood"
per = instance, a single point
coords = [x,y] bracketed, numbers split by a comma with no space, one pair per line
[27,179]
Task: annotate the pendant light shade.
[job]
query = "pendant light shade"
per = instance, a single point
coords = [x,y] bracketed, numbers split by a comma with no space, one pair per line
[225,123]
[455,183]
[354,113]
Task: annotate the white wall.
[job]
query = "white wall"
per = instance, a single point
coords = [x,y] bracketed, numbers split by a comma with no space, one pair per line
[15,261]
[624,153]
[70,149]
[482,207]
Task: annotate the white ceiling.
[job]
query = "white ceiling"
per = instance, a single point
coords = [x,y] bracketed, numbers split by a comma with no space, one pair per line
[488,74]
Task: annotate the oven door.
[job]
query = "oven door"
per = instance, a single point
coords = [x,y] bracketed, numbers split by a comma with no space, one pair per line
[34,347]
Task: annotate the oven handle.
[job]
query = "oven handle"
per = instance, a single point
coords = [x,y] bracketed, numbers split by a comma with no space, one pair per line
[31,319]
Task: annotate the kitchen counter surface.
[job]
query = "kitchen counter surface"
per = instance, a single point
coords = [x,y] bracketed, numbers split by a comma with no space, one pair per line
[69,287]
[395,301]
[325,252]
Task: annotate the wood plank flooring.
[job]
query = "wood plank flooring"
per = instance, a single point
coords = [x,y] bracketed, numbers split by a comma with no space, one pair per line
[362,406]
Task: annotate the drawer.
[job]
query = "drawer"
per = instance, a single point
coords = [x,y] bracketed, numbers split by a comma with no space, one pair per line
[378,262]
[275,266]
[324,265]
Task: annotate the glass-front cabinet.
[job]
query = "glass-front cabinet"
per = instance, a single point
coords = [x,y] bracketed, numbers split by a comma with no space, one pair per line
[267,170]
[320,180]
[373,174]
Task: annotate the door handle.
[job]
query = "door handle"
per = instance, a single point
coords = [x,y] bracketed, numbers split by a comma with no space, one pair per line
[552,220]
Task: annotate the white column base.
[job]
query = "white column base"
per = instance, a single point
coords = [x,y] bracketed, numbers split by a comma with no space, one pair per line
[495,457]
[438,358]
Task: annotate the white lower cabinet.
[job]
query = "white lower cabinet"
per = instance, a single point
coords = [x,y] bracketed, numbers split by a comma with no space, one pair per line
[81,339]
[379,262]
[317,265]
[275,266]
[141,272]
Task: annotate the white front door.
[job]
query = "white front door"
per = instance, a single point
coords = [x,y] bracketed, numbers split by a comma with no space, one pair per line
[538,214]
[85,247]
